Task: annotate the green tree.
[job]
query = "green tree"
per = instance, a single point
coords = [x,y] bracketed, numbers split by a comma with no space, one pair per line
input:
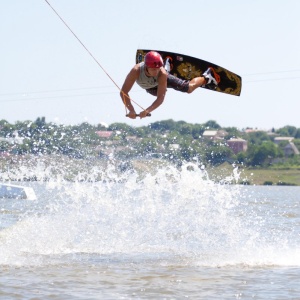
[40,122]
[233,132]
[166,125]
[241,158]
[258,137]
[4,146]
[211,124]
[260,155]
[125,129]
[186,129]
[147,146]
[297,134]
[218,153]
[197,131]
[287,131]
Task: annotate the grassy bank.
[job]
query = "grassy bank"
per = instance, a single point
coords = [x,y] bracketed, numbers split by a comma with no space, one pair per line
[226,173]
[257,176]
[273,176]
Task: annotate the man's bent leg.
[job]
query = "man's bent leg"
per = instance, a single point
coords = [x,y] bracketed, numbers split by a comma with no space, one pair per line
[195,83]
[178,84]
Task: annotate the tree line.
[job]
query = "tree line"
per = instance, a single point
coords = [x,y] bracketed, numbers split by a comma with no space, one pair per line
[155,140]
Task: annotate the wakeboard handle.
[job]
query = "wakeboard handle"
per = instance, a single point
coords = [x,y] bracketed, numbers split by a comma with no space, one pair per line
[137,115]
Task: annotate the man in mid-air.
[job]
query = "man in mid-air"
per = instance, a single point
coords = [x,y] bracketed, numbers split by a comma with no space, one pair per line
[153,77]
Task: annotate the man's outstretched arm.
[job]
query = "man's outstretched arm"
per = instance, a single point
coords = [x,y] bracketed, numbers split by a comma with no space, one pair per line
[127,86]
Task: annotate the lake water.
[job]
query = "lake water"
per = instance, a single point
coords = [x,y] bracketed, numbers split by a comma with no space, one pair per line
[172,235]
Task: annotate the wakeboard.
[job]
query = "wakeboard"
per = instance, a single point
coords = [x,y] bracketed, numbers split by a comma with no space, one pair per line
[188,67]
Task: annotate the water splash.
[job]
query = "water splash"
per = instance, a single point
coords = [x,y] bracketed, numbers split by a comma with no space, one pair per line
[166,212]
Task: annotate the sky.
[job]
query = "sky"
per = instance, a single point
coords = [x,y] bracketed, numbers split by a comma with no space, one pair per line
[46,72]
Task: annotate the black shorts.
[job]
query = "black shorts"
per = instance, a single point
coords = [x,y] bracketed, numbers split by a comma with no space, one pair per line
[173,82]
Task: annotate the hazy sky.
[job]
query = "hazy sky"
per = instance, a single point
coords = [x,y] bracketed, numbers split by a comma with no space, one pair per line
[45,72]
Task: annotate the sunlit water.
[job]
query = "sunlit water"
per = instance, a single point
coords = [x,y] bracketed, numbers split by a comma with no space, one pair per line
[170,235]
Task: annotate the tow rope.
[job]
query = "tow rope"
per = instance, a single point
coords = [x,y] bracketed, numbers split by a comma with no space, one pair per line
[98,63]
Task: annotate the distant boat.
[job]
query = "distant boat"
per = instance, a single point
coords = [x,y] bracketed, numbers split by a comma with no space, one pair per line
[11,191]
